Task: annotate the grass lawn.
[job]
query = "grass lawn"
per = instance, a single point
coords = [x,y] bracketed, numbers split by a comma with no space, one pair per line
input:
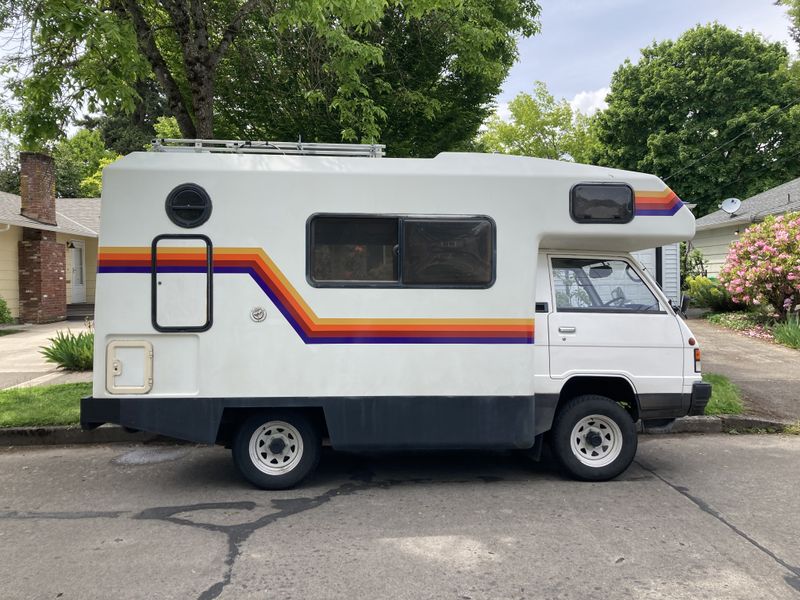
[44,405]
[9,331]
[725,398]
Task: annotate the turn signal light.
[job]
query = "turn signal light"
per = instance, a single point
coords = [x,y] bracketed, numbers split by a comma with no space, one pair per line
[697,360]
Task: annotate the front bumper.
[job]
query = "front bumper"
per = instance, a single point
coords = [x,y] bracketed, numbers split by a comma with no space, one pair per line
[701,393]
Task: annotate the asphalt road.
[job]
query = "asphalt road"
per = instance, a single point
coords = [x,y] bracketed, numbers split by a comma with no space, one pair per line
[696,516]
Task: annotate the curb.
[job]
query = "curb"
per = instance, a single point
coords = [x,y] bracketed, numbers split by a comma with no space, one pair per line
[59,436]
[716,424]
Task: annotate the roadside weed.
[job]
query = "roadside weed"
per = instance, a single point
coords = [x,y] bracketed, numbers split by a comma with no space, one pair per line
[71,352]
[725,397]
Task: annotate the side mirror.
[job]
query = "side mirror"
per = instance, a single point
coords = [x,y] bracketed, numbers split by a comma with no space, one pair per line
[684,306]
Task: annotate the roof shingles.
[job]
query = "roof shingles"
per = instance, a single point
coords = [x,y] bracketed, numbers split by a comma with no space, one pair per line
[76,216]
[776,201]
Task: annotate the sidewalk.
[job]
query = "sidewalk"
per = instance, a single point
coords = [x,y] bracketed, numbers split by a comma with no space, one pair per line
[22,363]
[767,374]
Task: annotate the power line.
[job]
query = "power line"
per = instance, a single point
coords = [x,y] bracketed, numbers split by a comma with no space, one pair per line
[746,131]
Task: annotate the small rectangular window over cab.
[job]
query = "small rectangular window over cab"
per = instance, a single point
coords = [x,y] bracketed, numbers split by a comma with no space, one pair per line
[601,203]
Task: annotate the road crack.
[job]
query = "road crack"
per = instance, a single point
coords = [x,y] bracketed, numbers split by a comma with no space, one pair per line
[793,579]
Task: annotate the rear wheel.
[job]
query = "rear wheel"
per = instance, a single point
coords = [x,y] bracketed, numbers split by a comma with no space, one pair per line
[593,438]
[275,450]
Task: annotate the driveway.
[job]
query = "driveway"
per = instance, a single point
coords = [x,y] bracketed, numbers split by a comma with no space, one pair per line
[694,517]
[22,363]
[767,374]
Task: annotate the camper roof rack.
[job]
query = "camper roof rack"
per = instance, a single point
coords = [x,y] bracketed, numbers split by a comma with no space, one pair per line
[256,147]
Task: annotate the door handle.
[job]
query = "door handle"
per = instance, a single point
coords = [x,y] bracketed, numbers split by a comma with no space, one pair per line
[567,330]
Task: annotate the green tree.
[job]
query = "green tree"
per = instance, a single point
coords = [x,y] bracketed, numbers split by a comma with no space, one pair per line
[714,113]
[323,56]
[793,12]
[540,126]
[76,159]
[92,186]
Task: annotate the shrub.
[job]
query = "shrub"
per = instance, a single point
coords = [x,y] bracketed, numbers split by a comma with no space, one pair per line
[763,265]
[693,263]
[5,314]
[71,352]
[707,293]
[788,332]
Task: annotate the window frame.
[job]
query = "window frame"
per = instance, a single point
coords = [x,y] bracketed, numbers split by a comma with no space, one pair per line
[397,284]
[604,311]
[601,221]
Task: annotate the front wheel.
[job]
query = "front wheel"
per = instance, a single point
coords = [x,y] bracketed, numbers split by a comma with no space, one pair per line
[275,450]
[593,438]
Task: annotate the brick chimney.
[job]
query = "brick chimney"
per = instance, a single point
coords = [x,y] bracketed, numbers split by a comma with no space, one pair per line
[42,260]
[37,187]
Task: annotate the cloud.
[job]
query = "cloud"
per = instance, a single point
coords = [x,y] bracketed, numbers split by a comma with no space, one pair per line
[591,101]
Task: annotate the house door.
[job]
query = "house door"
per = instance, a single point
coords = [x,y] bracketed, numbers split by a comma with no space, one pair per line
[77,250]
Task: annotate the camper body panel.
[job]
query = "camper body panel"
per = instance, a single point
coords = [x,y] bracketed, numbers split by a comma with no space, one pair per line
[396,393]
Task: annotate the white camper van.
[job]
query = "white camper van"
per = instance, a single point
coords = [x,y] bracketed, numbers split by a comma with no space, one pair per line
[267,296]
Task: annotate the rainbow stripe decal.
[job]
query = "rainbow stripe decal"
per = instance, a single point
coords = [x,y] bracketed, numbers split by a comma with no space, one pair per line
[311,328]
[657,204]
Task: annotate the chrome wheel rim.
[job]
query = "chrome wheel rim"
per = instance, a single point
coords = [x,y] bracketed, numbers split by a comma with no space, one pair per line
[276,447]
[596,441]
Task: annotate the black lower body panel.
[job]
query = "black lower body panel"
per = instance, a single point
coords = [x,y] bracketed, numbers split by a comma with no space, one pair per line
[353,423]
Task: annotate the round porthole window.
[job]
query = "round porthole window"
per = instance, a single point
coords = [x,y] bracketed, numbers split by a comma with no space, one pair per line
[188,205]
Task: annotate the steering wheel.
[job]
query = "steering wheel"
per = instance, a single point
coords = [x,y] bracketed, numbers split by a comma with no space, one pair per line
[617,297]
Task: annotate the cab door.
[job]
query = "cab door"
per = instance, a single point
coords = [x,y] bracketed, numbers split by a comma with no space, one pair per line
[607,321]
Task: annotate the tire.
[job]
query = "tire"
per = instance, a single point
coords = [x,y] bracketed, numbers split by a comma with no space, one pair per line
[276,449]
[593,438]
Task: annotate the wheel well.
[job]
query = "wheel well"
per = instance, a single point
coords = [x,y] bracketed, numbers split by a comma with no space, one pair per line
[616,388]
[232,416]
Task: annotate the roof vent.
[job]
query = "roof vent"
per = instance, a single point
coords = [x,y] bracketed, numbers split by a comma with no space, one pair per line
[188,205]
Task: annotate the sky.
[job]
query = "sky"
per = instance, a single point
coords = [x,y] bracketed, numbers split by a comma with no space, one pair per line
[582,42]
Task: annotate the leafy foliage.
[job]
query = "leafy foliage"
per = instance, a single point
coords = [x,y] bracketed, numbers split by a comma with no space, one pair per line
[707,293]
[714,113]
[92,186]
[71,352]
[788,332]
[763,265]
[78,159]
[324,69]
[740,321]
[5,313]
[540,126]
[693,264]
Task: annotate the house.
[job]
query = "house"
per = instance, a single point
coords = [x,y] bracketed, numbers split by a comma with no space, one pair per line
[716,231]
[48,246]
[664,265]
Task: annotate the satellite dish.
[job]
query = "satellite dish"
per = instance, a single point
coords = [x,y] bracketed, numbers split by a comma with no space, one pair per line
[731,205]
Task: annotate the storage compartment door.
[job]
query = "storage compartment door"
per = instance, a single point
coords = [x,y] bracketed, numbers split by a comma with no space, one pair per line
[129,367]
[182,283]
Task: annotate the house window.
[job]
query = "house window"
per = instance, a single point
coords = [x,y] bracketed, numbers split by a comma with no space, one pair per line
[601,203]
[366,251]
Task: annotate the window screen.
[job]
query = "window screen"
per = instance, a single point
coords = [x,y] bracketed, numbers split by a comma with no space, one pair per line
[601,203]
[447,252]
[401,251]
[354,249]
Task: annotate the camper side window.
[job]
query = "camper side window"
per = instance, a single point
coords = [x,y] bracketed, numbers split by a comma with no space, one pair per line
[361,251]
[354,249]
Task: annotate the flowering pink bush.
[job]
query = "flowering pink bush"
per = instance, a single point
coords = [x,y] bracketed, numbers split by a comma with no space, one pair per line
[763,265]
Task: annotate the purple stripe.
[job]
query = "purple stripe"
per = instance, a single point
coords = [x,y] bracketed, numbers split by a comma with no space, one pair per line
[296,325]
[661,212]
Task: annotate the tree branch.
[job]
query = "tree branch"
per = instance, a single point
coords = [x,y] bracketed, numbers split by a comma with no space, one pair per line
[232,30]
[129,10]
